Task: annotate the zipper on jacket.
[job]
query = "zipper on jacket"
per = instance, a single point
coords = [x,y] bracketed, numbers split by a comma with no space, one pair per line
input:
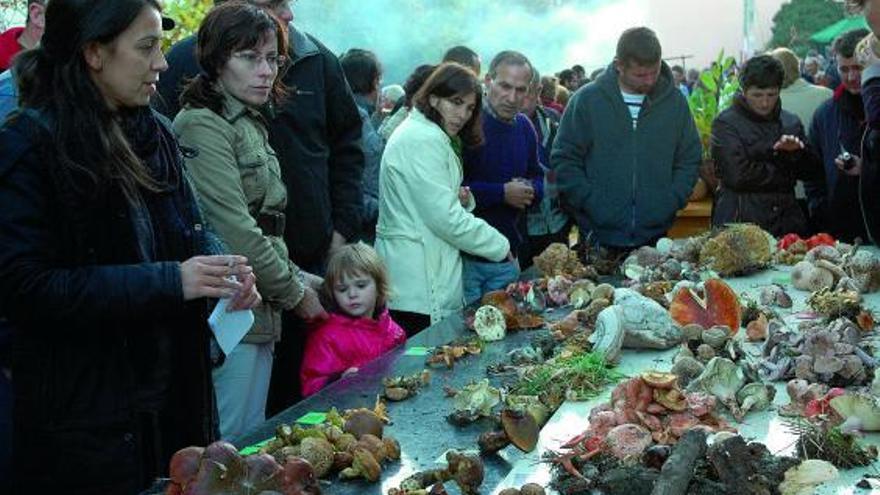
[632,231]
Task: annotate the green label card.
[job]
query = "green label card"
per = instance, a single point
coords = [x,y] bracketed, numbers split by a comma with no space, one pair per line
[417,351]
[312,418]
[253,449]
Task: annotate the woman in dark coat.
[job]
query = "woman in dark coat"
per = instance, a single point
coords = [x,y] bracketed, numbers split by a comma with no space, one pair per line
[101,269]
[759,153]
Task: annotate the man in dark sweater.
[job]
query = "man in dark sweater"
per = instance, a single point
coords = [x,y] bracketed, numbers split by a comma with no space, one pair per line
[503,173]
[627,151]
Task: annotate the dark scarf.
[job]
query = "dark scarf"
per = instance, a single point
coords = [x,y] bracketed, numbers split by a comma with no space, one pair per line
[159,219]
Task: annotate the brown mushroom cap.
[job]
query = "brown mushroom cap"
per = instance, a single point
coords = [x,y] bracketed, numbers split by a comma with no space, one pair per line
[374,446]
[392,448]
[345,442]
[492,441]
[467,471]
[363,422]
[671,399]
[532,489]
[319,453]
[521,429]
[364,465]
[657,379]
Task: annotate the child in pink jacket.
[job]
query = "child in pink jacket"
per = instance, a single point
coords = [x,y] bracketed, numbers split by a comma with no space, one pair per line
[359,328]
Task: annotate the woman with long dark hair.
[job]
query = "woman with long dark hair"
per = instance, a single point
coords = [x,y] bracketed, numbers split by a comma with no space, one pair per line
[424,214]
[104,265]
[238,181]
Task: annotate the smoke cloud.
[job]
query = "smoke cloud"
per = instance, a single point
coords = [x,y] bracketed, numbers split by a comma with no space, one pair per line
[408,33]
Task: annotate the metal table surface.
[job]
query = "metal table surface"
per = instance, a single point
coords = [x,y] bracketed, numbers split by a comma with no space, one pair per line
[419,423]
[765,426]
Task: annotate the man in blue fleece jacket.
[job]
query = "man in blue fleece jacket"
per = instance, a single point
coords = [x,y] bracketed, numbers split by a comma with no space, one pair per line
[503,173]
[627,151]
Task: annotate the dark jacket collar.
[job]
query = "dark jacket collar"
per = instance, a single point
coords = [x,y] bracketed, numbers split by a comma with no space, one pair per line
[301,44]
[608,81]
[849,103]
[739,103]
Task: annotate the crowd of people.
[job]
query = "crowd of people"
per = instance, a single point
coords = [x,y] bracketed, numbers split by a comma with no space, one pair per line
[252,164]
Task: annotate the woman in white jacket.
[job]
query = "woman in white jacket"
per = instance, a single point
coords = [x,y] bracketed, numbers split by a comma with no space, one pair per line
[423,221]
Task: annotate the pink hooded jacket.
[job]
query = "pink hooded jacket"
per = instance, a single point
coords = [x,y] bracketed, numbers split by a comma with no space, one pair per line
[342,342]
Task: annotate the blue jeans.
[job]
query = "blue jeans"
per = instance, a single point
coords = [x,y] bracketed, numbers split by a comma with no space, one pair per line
[481,277]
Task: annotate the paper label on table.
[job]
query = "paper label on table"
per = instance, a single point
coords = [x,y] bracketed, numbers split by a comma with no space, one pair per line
[253,449]
[229,327]
[417,351]
[312,418]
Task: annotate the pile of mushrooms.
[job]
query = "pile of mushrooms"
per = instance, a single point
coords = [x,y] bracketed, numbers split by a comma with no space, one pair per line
[355,450]
[558,259]
[653,406]
[663,263]
[219,468]
[466,470]
[816,352]
[400,388]
[842,267]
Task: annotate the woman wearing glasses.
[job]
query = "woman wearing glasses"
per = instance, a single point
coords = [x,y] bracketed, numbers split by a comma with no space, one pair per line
[424,213]
[238,181]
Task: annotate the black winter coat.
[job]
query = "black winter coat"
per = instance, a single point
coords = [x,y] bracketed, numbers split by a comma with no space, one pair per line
[869,181]
[111,368]
[838,125]
[756,183]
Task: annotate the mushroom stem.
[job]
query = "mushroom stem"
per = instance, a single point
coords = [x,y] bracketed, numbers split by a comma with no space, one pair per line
[491,442]
[868,360]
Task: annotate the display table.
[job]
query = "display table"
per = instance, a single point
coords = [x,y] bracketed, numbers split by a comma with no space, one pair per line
[420,422]
[424,435]
[692,220]
[764,426]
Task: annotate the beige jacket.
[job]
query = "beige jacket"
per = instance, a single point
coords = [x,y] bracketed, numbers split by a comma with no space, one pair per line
[422,225]
[238,180]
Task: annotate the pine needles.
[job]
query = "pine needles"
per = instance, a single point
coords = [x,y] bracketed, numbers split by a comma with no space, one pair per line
[576,377]
[827,443]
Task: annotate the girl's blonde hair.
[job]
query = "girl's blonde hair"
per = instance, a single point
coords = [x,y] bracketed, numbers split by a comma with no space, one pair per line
[352,260]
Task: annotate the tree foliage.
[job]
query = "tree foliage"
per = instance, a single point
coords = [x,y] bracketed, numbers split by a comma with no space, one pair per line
[188,15]
[797,20]
[12,9]
[714,93]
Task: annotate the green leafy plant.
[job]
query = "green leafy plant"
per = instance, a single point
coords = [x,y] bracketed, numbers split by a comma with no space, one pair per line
[188,15]
[714,93]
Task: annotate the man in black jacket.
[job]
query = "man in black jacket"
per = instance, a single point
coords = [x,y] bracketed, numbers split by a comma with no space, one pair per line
[837,129]
[316,134]
[869,180]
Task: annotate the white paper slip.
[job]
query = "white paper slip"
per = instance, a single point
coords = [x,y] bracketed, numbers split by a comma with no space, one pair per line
[229,328]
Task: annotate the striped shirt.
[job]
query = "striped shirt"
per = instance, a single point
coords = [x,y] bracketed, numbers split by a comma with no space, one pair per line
[634,103]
